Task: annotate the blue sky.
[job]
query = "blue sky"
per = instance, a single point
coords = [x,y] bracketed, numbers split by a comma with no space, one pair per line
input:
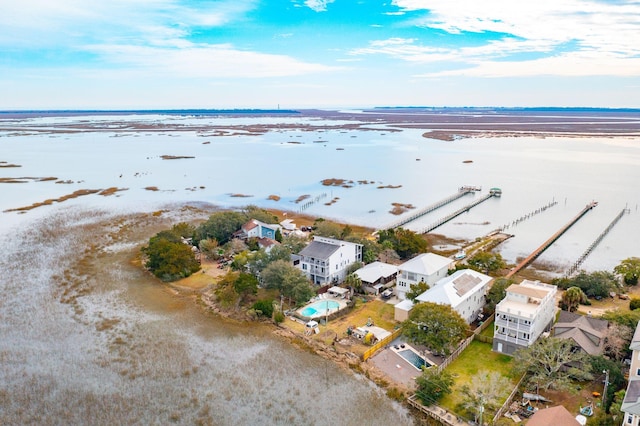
[318,53]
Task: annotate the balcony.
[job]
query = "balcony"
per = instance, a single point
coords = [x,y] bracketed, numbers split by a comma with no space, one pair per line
[511,339]
[513,324]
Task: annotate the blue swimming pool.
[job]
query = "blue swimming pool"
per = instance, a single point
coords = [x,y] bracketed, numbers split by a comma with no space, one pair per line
[414,358]
[320,308]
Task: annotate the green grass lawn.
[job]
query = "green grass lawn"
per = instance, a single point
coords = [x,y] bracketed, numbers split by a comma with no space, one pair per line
[477,357]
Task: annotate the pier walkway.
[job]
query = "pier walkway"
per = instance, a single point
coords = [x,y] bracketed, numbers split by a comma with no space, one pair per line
[462,191]
[574,268]
[537,252]
[493,193]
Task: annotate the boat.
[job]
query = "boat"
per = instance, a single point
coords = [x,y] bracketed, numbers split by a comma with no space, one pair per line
[587,411]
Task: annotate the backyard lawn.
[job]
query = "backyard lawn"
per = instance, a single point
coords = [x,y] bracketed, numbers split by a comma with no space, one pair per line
[477,357]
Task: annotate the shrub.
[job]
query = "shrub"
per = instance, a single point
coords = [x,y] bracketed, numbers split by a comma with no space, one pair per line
[634,304]
[265,306]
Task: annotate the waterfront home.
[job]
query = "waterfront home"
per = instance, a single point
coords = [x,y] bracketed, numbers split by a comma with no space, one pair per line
[527,310]
[587,333]
[325,260]
[426,267]
[464,291]
[375,275]
[257,229]
[267,244]
[631,403]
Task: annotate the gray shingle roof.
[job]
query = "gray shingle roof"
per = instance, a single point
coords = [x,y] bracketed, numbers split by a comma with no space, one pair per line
[319,250]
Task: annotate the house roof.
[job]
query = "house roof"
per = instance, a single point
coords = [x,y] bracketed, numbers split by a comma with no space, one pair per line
[631,402]
[557,415]
[267,242]
[587,332]
[527,291]
[404,305]
[374,271]
[456,288]
[426,264]
[319,250]
[250,225]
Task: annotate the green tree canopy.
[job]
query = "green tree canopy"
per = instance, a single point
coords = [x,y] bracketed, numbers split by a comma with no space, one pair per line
[432,386]
[353,281]
[221,226]
[595,284]
[487,262]
[245,285]
[552,363]
[294,243]
[572,298]
[327,228]
[436,326]
[169,259]
[405,242]
[416,290]
[254,212]
[496,293]
[629,270]
[291,282]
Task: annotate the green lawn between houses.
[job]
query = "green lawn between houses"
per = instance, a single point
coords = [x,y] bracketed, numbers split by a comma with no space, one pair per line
[477,357]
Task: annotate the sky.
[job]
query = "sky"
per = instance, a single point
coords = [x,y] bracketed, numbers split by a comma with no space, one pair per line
[138,54]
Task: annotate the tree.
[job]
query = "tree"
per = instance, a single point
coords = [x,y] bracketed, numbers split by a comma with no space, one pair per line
[432,386]
[264,307]
[634,304]
[416,290]
[245,285]
[353,281]
[629,270]
[210,248]
[600,365]
[552,363]
[436,326]
[405,242]
[169,260]
[291,282]
[221,226]
[630,319]
[294,243]
[326,228]
[255,212]
[617,340]
[596,284]
[370,248]
[485,390]
[486,262]
[496,293]
[572,298]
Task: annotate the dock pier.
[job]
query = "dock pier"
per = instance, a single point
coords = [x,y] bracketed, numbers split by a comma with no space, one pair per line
[537,252]
[495,192]
[462,191]
[574,268]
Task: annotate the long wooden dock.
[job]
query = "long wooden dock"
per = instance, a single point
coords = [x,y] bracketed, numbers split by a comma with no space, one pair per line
[574,268]
[494,193]
[462,191]
[537,252]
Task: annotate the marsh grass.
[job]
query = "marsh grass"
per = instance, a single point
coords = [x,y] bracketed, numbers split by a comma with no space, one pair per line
[89,337]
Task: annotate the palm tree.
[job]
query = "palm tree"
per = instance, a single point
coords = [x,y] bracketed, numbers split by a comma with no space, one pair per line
[353,281]
[572,298]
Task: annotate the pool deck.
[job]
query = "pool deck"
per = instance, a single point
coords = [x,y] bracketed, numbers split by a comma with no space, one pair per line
[342,303]
[398,369]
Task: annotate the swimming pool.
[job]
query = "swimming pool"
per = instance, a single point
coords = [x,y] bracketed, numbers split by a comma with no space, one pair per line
[416,360]
[320,308]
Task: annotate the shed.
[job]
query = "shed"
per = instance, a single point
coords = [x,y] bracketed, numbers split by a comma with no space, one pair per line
[338,291]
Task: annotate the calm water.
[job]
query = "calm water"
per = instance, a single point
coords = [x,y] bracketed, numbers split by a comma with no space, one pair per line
[291,163]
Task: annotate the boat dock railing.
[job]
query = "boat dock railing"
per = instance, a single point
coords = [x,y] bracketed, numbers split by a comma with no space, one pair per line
[574,268]
[537,252]
[457,213]
[462,191]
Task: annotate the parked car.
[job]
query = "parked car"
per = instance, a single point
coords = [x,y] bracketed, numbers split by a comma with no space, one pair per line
[387,293]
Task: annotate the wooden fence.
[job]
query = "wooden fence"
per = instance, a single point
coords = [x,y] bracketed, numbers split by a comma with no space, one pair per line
[373,349]
[455,354]
[507,403]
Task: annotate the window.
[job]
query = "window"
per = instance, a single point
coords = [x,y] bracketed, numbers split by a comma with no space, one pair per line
[638,372]
[304,266]
[629,419]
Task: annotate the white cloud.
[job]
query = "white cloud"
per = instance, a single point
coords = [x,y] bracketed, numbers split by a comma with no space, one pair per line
[318,5]
[205,61]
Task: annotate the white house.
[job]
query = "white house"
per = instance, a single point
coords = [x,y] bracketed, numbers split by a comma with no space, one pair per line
[527,311]
[631,403]
[375,275]
[426,267]
[464,291]
[325,260]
